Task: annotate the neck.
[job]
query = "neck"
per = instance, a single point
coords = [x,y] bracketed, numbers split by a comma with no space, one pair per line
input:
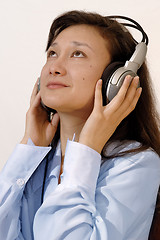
[70,124]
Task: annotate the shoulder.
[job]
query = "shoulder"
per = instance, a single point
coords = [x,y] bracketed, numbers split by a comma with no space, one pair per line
[131,175]
[117,147]
[129,184]
[147,160]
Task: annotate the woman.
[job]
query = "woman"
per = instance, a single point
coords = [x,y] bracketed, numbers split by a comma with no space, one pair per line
[99,177]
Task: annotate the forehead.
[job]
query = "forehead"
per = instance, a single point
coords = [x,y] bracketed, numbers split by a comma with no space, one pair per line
[83,32]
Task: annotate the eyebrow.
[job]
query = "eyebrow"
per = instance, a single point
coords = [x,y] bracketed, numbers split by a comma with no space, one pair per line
[75,43]
[81,44]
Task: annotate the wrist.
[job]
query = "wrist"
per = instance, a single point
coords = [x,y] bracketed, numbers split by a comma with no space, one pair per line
[91,144]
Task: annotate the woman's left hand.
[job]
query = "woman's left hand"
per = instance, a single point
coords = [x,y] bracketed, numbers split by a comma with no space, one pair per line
[104,120]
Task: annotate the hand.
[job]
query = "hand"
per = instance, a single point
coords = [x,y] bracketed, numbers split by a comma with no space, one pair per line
[38,128]
[104,120]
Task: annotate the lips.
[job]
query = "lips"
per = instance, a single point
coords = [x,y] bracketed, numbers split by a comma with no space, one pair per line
[55,85]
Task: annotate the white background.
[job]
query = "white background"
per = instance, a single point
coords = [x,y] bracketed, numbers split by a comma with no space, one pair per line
[24,27]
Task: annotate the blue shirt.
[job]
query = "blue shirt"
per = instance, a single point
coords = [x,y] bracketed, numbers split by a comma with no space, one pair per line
[96,199]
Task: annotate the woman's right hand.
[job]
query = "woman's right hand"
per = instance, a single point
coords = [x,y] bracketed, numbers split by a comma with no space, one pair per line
[38,128]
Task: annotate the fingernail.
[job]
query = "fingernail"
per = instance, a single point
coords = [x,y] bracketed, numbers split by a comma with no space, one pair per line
[139,90]
[136,79]
[129,78]
[100,82]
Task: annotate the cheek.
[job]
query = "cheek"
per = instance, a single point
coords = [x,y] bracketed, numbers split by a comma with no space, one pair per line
[86,80]
[85,88]
[90,77]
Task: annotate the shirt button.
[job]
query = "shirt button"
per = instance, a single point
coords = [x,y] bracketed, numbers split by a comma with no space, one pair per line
[20,182]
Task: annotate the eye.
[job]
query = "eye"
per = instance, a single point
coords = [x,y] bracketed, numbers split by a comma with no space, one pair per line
[78,54]
[51,54]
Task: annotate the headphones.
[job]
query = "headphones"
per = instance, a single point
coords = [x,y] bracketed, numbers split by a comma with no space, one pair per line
[115,73]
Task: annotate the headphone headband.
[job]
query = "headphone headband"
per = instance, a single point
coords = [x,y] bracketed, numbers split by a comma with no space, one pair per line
[133,24]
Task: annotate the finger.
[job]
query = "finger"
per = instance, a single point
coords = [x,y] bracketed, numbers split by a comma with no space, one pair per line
[34,92]
[119,98]
[133,104]
[117,101]
[55,120]
[132,88]
[98,94]
[130,95]
[36,105]
[37,100]
[51,127]
[124,88]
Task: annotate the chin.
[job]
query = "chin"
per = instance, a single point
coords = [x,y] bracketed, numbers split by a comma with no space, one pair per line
[67,104]
[58,106]
[49,100]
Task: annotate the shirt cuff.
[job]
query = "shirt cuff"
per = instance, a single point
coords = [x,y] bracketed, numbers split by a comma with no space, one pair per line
[23,162]
[81,166]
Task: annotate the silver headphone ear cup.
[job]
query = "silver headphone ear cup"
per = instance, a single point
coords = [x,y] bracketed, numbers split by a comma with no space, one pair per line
[38,85]
[116,82]
[106,76]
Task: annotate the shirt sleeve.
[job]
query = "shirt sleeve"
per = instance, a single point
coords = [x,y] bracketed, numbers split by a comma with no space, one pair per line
[93,202]
[13,178]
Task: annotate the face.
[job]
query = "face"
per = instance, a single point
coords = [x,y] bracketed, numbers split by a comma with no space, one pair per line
[75,61]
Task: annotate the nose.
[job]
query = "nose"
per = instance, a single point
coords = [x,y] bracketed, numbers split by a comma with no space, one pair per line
[58,67]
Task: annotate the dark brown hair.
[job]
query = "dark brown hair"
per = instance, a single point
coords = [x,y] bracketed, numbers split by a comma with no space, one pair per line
[142,124]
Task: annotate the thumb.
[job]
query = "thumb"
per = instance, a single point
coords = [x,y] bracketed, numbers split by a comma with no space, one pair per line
[55,121]
[98,94]
[52,128]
